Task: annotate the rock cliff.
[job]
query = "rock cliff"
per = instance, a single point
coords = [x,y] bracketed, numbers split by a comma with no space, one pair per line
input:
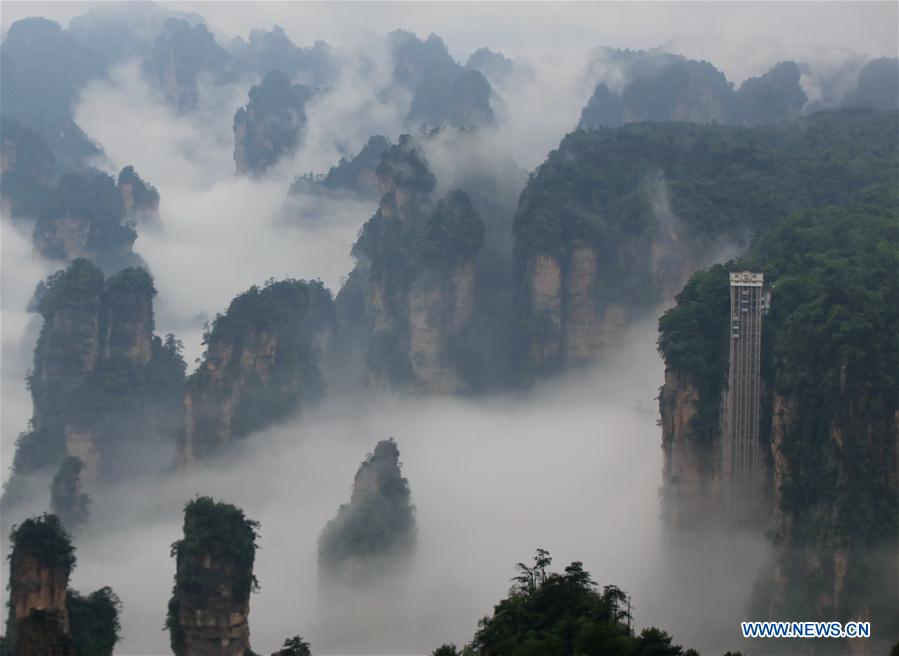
[140,200]
[444,92]
[414,279]
[84,217]
[261,365]
[653,86]
[614,222]
[210,604]
[67,501]
[828,429]
[180,55]
[103,386]
[271,125]
[376,530]
[27,170]
[40,564]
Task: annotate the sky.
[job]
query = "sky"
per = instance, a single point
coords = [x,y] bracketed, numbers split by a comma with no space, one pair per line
[742,38]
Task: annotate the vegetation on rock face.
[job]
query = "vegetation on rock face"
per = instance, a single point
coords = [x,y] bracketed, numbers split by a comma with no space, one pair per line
[98,369]
[29,169]
[271,125]
[284,326]
[84,217]
[830,355]
[667,87]
[214,568]
[43,69]
[92,627]
[443,91]
[377,524]
[94,620]
[43,537]
[143,197]
[355,176]
[67,501]
[416,254]
[559,614]
[180,54]
[720,181]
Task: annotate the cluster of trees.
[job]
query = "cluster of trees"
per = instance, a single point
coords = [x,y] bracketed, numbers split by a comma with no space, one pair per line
[551,613]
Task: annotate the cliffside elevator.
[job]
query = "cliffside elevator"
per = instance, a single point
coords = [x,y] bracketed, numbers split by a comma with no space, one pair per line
[742,463]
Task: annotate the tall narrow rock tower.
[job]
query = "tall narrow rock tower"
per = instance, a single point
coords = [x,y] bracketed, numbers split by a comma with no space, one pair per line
[742,463]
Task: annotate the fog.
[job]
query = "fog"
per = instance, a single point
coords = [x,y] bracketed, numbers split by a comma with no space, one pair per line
[573,465]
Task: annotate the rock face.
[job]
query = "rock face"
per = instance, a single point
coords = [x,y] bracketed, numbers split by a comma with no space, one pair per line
[37,49]
[665,87]
[102,384]
[210,602]
[354,176]
[414,279]
[180,55]
[87,215]
[261,365]
[140,200]
[271,125]
[40,564]
[614,222]
[27,170]
[444,92]
[268,50]
[67,501]
[376,530]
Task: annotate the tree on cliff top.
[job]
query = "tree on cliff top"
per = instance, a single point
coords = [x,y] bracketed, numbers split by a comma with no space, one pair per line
[558,614]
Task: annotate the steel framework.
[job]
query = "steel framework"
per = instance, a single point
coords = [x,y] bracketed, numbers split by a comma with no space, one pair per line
[741,458]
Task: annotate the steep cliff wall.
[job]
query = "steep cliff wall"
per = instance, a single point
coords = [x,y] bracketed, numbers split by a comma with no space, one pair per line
[140,200]
[102,385]
[210,602]
[614,222]
[415,276]
[271,125]
[376,530]
[84,217]
[261,365]
[39,567]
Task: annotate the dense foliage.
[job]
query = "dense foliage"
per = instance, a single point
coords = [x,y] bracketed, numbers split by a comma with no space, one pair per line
[559,614]
[830,352]
[292,313]
[44,538]
[605,187]
[94,621]
[693,336]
